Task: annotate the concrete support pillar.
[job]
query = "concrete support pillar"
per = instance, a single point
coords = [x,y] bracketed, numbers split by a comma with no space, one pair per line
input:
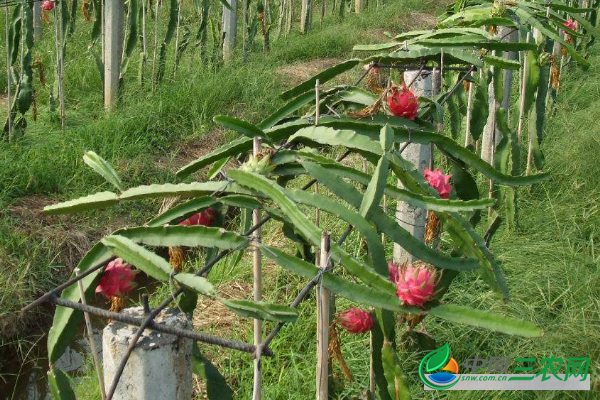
[160,366]
[229,29]
[37,20]
[360,6]
[114,11]
[306,16]
[413,218]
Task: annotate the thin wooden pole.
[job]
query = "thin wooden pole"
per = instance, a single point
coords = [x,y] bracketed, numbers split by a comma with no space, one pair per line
[469,113]
[37,20]
[177,37]
[90,334]
[155,45]
[323,317]
[523,92]
[59,64]
[257,275]
[322,13]
[8,78]
[144,42]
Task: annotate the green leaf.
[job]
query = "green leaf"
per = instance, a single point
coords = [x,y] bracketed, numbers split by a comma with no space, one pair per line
[182,189]
[196,283]
[217,167]
[243,127]
[66,320]
[289,108]
[216,385]
[103,168]
[480,110]
[60,385]
[364,295]
[260,310]
[322,76]
[527,18]
[335,137]
[91,202]
[326,204]
[501,62]
[396,380]
[183,211]
[386,224]
[376,46]
[232,148]
[487,320]
[532,80]
[305,227]
[136,255]
[189,236]
[374,192]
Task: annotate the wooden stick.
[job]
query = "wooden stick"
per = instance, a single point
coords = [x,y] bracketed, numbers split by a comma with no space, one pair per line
[155,45]
[257,275]
[177,36]
[317,101]
[523,91]
[469,113]
[59,51]
[8,78]
[90,333]
[323,303]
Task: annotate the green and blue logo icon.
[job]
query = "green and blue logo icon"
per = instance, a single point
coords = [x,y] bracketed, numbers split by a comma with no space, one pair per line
[442,367]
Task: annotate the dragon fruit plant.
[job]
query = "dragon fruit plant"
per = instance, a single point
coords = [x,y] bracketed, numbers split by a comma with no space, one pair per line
[386,295]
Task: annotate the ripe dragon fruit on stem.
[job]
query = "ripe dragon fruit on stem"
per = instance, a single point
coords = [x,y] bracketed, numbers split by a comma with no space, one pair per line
[403,103]
[48,5]
[355,320]
[204,218]
[438,181]
[117,279]
[415,283]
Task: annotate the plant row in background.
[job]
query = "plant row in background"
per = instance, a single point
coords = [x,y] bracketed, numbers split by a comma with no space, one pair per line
[156,35]
[469,50]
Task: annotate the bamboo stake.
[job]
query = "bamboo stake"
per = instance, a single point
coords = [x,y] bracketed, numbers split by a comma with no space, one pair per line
[523,91]
[469,113]
[257,275]
[323,316]
[90,333]
[322,13]
[155,45]
[8,79]
[144,42]
[59,63]
[177,36]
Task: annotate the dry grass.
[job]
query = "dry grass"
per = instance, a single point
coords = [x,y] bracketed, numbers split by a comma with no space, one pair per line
[300,72]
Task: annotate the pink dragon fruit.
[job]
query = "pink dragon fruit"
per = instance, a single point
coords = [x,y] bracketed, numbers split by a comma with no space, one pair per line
[48,5]
[356,320]
[439,181]
[117,279]
[204,218]
[570,24]
[403,103]
[416,283]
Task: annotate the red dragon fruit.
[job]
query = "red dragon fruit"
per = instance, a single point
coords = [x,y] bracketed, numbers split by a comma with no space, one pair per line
[356,320]
[403,103]
[439,181]
[204,218]
[570,24]
[117,279]
[416,283]
[48,5]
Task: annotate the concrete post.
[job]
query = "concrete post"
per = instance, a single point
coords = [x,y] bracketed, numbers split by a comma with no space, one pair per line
[160,366]
[37,20]
[114,11]
[360,6]
[413,218]
[229,29]
[306,16]
[491,136]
